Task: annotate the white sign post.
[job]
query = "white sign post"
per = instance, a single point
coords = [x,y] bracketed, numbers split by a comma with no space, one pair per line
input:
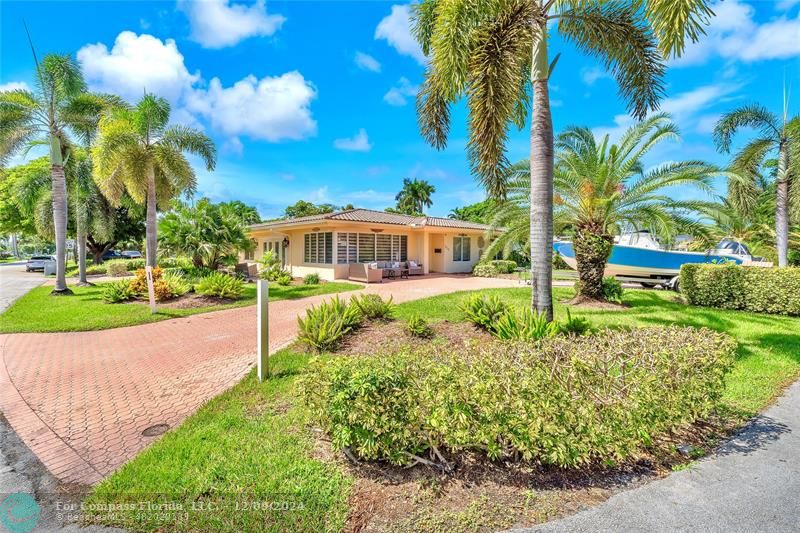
[151,293]
[263,329]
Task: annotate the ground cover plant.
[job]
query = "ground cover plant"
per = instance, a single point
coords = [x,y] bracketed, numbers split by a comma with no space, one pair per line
[285,452]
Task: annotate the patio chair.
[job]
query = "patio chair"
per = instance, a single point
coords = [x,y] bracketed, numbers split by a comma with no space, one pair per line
[362,272]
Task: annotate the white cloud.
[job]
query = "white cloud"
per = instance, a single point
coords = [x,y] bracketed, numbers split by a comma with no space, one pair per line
[220,23]
[395,28]
[735,35]
[271,109]
[707,123]
[370,196]
[591,75]
[367,62]
[14,86]
[358,143]
[233,146]
[785,5]
[135,64]
[397,95]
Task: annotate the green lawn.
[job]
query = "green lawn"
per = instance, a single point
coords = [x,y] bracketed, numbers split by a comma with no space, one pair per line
[38,311]
[255,439]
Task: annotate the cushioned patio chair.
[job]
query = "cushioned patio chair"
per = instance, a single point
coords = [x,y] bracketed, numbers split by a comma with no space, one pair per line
[362,272]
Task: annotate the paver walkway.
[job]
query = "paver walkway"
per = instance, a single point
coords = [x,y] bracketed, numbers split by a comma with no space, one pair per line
[81,400]
[752,483]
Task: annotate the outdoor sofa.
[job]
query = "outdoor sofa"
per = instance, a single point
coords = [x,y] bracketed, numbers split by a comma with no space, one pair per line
[376,271]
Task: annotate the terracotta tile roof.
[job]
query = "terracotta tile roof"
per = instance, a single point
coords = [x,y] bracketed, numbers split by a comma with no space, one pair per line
[370,216]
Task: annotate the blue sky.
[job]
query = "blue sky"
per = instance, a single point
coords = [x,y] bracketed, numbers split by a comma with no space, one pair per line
[315,100]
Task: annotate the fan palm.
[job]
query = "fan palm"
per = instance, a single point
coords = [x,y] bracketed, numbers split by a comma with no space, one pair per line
[138,153]
[602,189]
[414,196]
[495,52]
[777,137]
[58,105]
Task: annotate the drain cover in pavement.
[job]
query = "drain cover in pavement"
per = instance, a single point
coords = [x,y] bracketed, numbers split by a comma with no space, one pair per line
[158,429]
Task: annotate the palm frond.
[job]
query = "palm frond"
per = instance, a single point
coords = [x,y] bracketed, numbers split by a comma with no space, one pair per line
[675,20]
[433,111]
[750,116]
[617,34]
[185,139]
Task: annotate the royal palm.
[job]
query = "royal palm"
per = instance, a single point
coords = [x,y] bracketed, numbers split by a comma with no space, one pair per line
[496,52]
[138,153]
[58,106]
[414,196]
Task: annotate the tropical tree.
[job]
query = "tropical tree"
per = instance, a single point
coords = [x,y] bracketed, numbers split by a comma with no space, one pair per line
[302,208]
[414,197]
[211,234]
[58,105]
[479,212]
[496,53]
[602,190]
[778,137]
[138,153]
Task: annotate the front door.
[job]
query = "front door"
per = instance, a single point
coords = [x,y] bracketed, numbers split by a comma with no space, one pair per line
[276,247]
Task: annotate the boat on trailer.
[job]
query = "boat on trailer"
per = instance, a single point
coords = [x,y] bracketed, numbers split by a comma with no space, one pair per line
[638,257]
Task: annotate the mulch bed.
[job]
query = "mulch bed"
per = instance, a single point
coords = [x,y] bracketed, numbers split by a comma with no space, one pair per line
[189,300]
[480,494]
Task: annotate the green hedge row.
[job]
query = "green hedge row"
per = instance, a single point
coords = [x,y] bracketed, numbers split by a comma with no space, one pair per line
[494,267]
[565,400]
[730,286]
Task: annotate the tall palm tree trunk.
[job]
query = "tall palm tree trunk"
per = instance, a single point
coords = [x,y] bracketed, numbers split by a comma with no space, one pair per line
[80,239]
[150,221]
[60,225]
[782,206]
[541,162]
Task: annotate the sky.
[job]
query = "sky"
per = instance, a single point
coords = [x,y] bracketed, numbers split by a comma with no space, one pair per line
[314,100]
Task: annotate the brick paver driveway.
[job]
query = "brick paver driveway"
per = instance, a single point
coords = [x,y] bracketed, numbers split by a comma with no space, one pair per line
[80,401]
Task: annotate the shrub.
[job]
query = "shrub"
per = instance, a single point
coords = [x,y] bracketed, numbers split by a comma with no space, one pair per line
[284,279]
[118,291]
[174,262]
[373,307]
[575,325]
[311,279]
[559,263]
[134,264]
[483,311]
[418,327]
[525,325]
[324,325]
[484,270]
[271,268]
[117,268]
[612,289]
[565,401]
[220,285]
[504,266]
[176,282]
[730,286]
[139,283]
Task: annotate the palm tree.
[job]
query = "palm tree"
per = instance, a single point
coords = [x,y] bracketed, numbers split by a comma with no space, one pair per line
[45,116]
[414,196]
[496,52]
[602,189]
[138,153]
[777,137]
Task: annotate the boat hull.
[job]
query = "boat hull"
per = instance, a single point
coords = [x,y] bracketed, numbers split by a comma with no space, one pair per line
[637,262]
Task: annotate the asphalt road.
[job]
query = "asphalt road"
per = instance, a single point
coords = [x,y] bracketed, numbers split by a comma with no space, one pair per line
[752,483]
[15,282]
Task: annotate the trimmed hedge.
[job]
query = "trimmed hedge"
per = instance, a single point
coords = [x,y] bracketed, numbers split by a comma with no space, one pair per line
[490,269]
[730,286]
[565,401]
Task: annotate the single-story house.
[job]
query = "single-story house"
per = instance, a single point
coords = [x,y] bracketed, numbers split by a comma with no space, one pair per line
[328,243]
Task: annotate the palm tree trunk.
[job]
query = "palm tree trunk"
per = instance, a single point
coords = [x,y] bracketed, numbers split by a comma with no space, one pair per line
[59,214]
[150,220]
[14,247]
[592,251]
[541,162]
[782,206]
[80,238]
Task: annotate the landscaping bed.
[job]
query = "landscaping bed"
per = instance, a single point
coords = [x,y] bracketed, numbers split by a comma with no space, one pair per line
[261,439]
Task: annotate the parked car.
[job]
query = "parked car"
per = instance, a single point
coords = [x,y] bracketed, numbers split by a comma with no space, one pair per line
[111,254]
[36,262]
[131,254]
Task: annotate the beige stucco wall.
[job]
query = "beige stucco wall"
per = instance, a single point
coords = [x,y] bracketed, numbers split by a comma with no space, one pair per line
[421,243]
